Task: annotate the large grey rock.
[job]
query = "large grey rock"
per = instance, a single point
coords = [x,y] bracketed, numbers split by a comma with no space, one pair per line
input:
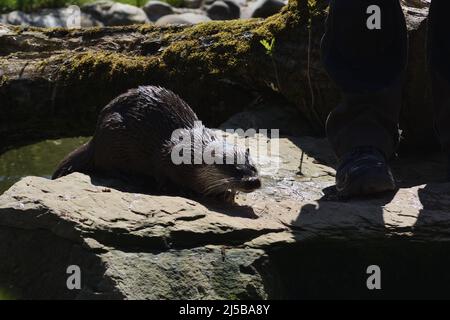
[182,19]
[275,243]
[16,18]
[188,10]
[156,9]
[221,10]
[265,8]
[235,8]
[48,18]
[218,11]
[115,13]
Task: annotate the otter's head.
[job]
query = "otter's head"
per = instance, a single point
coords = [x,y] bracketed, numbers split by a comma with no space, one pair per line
[210,165]
[229,169]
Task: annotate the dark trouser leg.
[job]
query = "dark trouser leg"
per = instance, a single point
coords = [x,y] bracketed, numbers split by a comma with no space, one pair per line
[439,62]
[368,66]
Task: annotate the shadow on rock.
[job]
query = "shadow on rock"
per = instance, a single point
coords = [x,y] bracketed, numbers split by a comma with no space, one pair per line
[148,187]
[346,238]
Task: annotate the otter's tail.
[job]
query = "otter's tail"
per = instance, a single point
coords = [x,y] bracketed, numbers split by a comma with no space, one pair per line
[79,160]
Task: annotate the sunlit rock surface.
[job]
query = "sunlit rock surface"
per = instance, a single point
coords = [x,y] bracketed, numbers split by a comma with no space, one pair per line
[274,243]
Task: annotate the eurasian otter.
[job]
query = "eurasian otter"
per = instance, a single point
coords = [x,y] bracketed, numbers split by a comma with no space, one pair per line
[134,139]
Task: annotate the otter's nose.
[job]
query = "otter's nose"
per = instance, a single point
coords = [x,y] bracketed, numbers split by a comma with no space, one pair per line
[252,183]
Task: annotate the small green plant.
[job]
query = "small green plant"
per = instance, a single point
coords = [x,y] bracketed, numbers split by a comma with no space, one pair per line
[270,48]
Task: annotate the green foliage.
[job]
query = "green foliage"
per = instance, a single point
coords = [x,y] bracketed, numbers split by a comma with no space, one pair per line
[175,3]
[317,7]
[268,46]
[4,295]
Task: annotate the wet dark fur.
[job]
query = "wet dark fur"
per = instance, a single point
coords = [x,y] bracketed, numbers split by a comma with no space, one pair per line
[130,142]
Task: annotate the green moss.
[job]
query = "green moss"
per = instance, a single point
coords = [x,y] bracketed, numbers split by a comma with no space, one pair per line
[16,29]
[146,28]
[43,64]
[90,32]
[216,47]
[46,31]
[3,80]
[211,48]
[6,295]
[206,49]
[106,66]
[56,32]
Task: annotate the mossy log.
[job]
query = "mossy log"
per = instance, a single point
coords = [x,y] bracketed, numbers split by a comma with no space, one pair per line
[54,81]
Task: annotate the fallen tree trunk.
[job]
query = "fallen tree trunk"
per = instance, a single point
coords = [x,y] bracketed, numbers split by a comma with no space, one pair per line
[54,81]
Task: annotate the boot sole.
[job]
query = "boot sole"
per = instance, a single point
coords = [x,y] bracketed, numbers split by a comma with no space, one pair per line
[377,180]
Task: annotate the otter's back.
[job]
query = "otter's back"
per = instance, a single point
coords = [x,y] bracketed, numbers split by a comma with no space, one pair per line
[133,128]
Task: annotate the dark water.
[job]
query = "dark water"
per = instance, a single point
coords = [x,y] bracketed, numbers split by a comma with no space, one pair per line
[39,159]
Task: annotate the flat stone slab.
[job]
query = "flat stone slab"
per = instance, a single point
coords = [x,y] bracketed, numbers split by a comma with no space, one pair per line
[141,246]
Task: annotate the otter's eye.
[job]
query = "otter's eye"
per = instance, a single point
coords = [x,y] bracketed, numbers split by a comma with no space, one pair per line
[243,171]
